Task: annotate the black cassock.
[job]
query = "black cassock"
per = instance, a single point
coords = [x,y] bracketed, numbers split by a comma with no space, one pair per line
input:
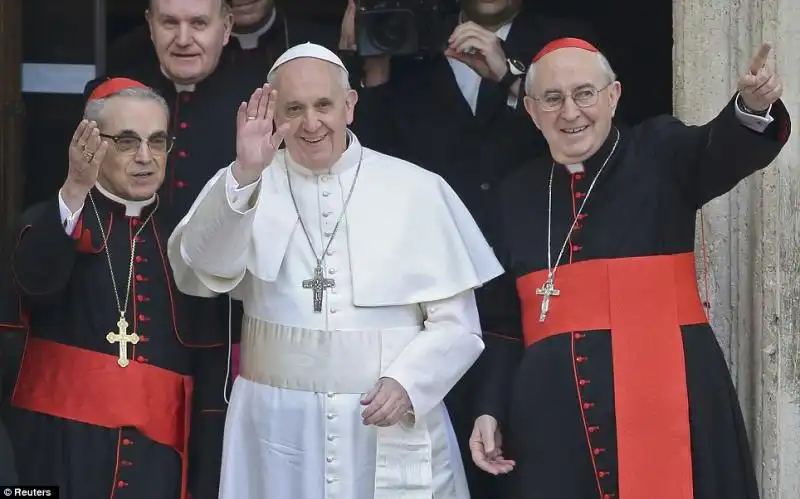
[203,122]
[78,419]
[561,399]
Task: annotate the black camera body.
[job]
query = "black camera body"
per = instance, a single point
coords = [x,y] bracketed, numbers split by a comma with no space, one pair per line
[403,27]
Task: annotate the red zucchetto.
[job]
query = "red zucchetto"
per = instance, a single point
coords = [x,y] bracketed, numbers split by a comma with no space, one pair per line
[112,86]
[563,43]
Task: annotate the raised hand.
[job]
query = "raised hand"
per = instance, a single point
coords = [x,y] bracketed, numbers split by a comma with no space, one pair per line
[478,48]
[257,140]
[86,153]
[760,87]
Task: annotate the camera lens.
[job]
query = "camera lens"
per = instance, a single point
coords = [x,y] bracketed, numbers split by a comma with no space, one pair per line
[390,31]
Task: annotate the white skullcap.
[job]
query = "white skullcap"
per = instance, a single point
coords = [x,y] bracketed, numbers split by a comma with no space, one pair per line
[307,49]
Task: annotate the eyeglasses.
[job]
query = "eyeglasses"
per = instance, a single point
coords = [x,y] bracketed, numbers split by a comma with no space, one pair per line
[583,97]
[127,143]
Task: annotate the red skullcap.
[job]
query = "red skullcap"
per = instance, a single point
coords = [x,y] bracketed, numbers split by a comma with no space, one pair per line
[112,86]
[563,43]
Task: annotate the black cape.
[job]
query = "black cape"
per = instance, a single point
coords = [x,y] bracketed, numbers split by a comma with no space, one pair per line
[643,204]
[67,297]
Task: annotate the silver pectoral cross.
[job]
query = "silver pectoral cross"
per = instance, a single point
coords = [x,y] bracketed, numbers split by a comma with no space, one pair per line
[546,291]
[319,283]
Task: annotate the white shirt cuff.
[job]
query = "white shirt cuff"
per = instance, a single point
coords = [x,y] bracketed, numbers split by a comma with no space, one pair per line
[239,197]
[68,219]
[753,121]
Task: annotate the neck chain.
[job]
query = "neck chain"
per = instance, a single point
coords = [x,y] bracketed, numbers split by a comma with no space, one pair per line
[548,288]
[121,335]
[318,284]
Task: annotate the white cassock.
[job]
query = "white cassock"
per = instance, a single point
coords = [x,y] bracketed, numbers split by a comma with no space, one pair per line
[405,260]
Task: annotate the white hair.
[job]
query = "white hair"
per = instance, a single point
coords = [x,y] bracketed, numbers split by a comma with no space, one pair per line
[344,77]
[94,108]
[605,67]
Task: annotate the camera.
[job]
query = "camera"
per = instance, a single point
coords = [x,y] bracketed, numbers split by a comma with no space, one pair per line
[403,27]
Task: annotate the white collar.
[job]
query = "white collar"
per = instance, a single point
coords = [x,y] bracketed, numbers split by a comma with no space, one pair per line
[249,41]
[132,208]
[349,159]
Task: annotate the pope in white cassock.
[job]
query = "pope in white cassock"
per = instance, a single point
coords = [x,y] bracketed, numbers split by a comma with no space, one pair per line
[357,273]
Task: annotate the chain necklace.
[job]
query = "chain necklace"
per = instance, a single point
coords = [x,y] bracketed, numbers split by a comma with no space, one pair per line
[121,336]
[319,283]
[548,289]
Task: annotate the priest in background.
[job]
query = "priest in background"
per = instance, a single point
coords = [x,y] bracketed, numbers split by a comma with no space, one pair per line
[622,389]
[357,272]
[101,405]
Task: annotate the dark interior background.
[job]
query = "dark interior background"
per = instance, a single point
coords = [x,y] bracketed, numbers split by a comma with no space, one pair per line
[637,38]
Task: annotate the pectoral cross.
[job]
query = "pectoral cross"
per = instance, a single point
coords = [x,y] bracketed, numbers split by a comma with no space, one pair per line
[318,284]
[546,291]
[123,338]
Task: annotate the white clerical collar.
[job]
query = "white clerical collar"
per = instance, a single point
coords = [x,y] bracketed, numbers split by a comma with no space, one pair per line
[178,87]
[249,41]
[132,208]
[576,168]
[347,160]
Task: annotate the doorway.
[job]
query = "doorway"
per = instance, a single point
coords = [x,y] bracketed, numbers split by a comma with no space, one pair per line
[66,44]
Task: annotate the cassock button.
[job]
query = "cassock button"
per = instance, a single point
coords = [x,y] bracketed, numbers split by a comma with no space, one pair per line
[330,417]
[331,271]
[329,479]
[326,194]
[182,154]
[329,459]
[186,97]
[578,176]
[326,214]
[184,125]
[330,252]
[575,247]
[135,222]
[578,195]
[486,186]
[180,184]
[331,438]
[331,395]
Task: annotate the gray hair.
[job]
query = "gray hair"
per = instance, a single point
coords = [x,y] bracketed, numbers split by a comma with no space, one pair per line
[605,67]
[94,108]
[344,77]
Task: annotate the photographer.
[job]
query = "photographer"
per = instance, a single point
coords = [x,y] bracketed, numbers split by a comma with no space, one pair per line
[458,113]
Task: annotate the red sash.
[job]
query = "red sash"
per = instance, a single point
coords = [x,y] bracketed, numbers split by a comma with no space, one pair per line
[87,386]
[643,301]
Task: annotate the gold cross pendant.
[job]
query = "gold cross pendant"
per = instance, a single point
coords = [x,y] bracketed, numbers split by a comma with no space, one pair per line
[123,338]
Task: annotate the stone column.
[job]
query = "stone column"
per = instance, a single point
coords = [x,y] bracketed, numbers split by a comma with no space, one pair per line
[752,235]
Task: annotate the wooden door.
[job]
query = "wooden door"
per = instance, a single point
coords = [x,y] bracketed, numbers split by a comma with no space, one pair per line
[11,112]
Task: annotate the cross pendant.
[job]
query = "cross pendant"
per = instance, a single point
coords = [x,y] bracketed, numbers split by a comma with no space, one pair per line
[123,338]
[546,291]
[318,284]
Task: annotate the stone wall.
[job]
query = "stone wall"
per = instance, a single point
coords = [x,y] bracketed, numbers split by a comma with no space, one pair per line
[752,235]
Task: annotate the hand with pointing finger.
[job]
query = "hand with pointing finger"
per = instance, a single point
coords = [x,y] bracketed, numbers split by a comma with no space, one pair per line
[760,87]
[257,140]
